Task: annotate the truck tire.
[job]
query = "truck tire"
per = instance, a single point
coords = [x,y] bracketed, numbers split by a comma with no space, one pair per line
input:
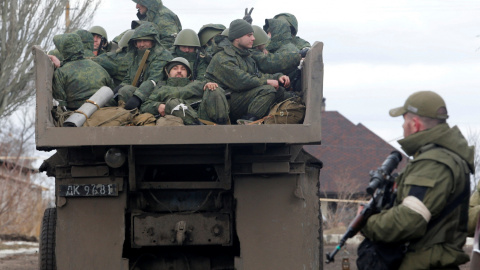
[47,259]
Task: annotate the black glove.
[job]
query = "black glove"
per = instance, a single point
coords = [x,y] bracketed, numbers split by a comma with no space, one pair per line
[248,15]
[115,90]
[132,103]
[303,52]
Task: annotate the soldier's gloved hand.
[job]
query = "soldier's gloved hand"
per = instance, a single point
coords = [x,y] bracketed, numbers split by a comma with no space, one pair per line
[248,15]
[303,52]
[132,103]
[115,90]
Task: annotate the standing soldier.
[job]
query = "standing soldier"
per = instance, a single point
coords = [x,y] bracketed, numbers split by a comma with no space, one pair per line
[100,40]
[290,18]
[234,70]
[181,89]
[141,77]
[167,23]
[77,79]
[187,46]
[430,210]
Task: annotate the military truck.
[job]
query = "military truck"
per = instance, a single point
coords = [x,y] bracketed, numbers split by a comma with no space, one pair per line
[239,197]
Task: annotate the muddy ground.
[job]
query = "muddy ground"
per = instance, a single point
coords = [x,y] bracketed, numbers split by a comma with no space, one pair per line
[350,253]
[19,262]
[30,261]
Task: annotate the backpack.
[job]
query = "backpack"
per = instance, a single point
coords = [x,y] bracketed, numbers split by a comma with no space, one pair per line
[289,111]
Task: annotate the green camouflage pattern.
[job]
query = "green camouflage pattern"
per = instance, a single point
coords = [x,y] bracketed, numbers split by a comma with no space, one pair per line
[77,79]
[56,53]
[156,61]
[167,23]
[213,106]
[436,169]
[301,43]
[283,55]
[236,71]
[197,62]
[116,63]
[87,41]
[209,31]
[292,20]
[473,211]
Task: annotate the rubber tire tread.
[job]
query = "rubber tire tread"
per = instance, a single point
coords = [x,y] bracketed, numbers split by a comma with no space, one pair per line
[47,258]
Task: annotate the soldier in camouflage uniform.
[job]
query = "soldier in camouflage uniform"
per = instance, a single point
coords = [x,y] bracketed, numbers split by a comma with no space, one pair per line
[77,79]
[180,90]
[474,211]
[117,63]
[167,22]
[144,38]
[187,45]
[87,40]
[280,55]
[290,18]
[100,40]
[436,176]
[208,39]
[234,70]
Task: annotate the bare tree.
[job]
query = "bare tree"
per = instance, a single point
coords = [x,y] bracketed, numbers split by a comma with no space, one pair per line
[26,23]
[344,207]
[23,192]
[474,139]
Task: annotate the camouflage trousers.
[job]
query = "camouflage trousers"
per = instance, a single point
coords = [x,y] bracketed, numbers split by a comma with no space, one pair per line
[213,107]
[256,102]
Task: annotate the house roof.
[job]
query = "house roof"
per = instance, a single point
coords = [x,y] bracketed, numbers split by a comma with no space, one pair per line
[348,152]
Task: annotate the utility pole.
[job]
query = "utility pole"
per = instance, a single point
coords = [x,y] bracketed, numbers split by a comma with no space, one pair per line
[67,15]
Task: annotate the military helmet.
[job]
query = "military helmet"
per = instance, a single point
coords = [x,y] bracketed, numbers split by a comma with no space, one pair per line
[187,37]
[175,61]
[261,38]
[99,31]
[125,38]
[290,18]
[208,31]
[225,32]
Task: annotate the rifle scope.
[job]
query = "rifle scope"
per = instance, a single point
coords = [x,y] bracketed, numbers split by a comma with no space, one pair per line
[386,169]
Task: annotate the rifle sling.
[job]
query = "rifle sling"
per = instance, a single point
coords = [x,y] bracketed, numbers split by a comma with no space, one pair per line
[141,68]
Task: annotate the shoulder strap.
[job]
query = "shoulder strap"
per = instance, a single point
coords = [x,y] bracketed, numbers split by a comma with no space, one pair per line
[466,190]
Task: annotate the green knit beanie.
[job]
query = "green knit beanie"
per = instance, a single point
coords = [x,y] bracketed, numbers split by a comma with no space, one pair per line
[238,28]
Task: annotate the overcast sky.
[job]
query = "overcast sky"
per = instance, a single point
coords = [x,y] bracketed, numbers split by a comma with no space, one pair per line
[376,52]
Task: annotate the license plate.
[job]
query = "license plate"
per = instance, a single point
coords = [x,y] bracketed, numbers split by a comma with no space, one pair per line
[88,190]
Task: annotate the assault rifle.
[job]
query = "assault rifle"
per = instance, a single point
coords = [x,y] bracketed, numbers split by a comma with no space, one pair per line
[381,188]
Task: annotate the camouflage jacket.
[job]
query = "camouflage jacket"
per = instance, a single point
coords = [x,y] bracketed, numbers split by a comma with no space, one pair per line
[167,22]
[292,21]
[441,164]
[283,56]
[87,41]
[116,63]
[197,62]
[300,43]
[77,79]
[234,69]
[181,88]
[156,61]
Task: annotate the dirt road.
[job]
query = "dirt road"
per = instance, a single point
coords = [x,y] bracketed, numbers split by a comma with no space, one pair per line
[350,252]
[19,262]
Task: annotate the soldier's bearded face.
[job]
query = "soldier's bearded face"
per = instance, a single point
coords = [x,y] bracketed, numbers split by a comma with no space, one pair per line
[142,9]
[178,71]
[246,42]
[143,44]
